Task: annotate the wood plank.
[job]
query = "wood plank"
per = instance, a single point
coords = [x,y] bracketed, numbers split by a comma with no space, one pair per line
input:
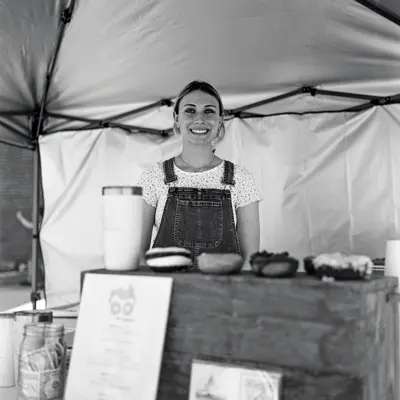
[322,303]
[301,344]
[302,280]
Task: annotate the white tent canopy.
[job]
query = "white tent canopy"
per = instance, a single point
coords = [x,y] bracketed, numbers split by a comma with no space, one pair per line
[311,88]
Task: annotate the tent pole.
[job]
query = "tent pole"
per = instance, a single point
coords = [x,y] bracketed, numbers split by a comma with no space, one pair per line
[37,131]
[35,296]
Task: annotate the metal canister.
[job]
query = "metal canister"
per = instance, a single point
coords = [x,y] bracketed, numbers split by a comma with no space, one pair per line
[42,362]
[21,318]
[6,351]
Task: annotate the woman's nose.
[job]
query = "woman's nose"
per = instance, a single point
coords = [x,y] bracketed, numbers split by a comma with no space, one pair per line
[198,117]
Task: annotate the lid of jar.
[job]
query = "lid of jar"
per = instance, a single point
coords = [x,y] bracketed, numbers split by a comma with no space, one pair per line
[6,315]
[44,329]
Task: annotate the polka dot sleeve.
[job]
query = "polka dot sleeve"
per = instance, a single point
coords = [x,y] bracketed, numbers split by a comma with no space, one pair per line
[247,191]
[149,182]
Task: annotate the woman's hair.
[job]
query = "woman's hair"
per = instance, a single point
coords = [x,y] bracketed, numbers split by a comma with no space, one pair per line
[203,87]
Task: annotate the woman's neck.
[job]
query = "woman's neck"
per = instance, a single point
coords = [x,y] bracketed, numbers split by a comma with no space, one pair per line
[196,159]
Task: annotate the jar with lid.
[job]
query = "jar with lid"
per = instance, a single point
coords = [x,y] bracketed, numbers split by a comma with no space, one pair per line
[42,362]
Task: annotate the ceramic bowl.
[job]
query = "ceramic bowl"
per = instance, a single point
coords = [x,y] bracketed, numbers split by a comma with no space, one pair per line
[274,265]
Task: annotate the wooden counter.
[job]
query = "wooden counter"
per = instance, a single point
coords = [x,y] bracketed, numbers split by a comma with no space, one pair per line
[333,341]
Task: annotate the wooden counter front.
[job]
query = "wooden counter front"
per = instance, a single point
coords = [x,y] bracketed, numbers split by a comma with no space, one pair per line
[333,341]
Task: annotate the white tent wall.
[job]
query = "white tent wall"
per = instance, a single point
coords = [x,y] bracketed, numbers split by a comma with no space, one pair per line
[328,183]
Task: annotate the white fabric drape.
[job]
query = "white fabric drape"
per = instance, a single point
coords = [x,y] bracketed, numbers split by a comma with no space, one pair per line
[329,183]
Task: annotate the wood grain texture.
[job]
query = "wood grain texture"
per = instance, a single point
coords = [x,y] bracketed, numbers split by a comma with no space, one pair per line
[333,341]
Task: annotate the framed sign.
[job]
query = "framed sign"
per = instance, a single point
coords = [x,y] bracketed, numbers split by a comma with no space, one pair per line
[219,381]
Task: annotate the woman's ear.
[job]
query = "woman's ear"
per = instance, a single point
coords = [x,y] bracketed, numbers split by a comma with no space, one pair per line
[176,128]
[219,137]
[221,131]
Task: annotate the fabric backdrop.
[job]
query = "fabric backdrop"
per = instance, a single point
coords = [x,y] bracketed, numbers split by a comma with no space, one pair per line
[329,183]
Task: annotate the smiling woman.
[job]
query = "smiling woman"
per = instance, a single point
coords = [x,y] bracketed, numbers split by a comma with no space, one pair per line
[197,200]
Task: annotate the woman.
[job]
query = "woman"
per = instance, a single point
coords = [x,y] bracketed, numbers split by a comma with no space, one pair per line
[197,200]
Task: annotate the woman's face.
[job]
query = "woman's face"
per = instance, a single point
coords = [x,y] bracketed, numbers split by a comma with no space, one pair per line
[198,118]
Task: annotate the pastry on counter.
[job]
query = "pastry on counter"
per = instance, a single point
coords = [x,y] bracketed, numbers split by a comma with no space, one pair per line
[168,259]
[274,265]
[331,266]
[219,264]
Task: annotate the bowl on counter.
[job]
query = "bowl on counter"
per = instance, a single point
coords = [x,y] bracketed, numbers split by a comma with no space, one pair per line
[274,265]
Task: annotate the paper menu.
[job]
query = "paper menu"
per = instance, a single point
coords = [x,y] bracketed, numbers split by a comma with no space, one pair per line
[119,338]
[217,381]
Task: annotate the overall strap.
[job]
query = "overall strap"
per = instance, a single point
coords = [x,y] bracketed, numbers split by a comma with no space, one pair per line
[229,173]
[169,171]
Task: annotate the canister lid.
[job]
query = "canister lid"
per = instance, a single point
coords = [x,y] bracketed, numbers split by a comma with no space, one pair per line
[6,315]
[44,329]
[123,190]
[37,315]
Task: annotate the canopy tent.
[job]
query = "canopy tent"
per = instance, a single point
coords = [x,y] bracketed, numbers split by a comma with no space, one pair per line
[311,90]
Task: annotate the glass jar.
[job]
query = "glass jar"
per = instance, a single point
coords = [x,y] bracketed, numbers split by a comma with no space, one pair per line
[42,362]
[21,318]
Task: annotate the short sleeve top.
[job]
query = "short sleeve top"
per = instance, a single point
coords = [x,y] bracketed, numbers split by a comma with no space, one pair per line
[155,191]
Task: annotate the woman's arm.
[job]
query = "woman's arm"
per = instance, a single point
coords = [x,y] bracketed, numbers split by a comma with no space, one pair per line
[248,229]
[149,213]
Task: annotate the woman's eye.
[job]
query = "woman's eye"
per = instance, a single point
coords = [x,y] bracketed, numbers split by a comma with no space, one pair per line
[190,110]
[209,111]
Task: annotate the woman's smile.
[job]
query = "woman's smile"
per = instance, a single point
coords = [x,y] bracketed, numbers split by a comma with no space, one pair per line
[199,131]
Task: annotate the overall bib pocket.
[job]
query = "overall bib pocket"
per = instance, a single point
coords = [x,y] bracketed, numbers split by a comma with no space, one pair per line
[198,223]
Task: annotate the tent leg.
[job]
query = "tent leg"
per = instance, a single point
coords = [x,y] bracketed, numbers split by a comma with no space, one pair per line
[35,295]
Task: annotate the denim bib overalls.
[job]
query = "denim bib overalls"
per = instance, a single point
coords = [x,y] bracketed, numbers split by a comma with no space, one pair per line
[200,220]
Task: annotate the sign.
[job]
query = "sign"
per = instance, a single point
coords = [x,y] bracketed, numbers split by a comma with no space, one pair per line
[219,381]
[119,338]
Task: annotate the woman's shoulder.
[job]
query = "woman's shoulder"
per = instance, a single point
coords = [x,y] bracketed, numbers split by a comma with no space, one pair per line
[239,170]
[246,187]
[153,172]
[155,168]
[243,177]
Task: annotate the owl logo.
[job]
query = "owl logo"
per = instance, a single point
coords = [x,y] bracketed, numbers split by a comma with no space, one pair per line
[122,302]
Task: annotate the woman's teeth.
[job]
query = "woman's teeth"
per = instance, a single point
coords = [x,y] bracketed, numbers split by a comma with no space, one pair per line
[199,131]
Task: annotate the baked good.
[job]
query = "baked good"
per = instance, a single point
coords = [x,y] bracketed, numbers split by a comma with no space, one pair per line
[168,259]
[332,266]
[219,264]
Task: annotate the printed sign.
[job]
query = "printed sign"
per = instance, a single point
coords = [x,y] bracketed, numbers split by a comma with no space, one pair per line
[119,338]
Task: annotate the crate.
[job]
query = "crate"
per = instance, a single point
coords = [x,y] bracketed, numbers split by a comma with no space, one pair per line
[333,341]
